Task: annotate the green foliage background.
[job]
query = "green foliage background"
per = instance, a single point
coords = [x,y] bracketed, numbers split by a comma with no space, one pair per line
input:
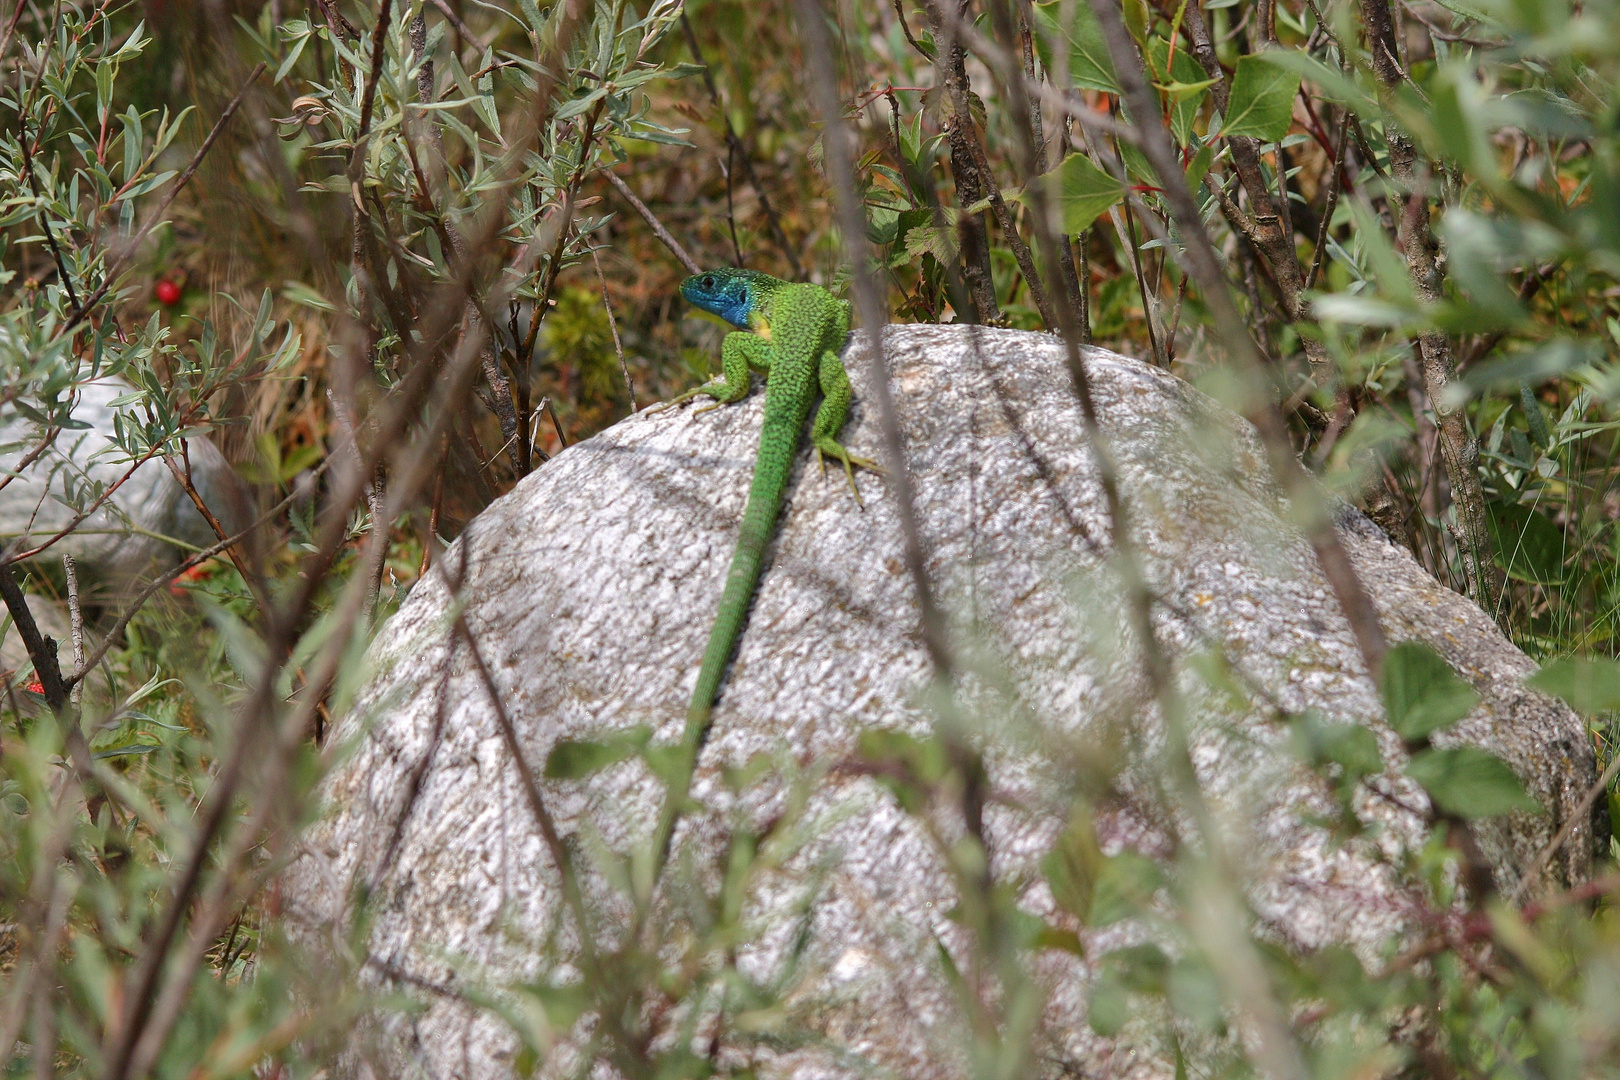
[1469,204]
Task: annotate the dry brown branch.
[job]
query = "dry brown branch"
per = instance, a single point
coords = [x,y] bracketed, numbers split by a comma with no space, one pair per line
[951,73]
[1458,449]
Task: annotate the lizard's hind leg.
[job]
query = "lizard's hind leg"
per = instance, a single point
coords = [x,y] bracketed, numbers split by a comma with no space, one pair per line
[830,418]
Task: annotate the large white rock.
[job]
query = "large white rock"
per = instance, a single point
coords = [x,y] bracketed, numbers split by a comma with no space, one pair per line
[137,527]
[591,587]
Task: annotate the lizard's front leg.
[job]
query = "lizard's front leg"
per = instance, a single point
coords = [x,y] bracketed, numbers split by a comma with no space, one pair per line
[739,353]
[830,417]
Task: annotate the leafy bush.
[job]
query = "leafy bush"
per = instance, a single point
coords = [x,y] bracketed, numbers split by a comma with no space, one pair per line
[1415,209]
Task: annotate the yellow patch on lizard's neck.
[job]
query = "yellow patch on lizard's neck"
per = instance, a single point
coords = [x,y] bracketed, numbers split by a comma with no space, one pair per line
[760,325]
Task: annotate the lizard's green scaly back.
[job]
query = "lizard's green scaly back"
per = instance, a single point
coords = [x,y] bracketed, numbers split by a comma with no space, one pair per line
[803,322]
[794,333]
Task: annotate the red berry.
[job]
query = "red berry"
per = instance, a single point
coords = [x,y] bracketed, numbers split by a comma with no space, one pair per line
[168,293]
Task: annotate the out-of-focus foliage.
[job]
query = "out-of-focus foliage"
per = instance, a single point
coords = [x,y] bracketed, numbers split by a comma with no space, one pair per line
[369,226]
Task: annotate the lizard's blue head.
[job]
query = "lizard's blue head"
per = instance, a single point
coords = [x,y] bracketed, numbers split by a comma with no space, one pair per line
[727,292]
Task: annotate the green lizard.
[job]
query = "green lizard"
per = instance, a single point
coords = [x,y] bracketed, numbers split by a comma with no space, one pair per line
[792,333]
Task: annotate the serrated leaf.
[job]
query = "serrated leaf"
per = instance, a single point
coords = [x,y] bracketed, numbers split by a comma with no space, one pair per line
[1090,65]
[1587,684]
[1421,693]
[1082,192]
[1261,104]
[1183,86]
[1469,782]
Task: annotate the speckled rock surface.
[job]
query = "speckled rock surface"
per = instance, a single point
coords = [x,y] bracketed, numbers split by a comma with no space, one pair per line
[590,589]
[126,536]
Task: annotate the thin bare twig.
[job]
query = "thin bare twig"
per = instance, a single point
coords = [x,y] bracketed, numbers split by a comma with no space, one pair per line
[613,324]
[740,153]
[76,627]
[1337,166]
[44,217]
[652,222]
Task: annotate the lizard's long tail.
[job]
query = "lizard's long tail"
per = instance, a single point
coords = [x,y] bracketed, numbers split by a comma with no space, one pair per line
[778,445]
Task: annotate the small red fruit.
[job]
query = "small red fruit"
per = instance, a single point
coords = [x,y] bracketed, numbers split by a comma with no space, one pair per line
[168,293]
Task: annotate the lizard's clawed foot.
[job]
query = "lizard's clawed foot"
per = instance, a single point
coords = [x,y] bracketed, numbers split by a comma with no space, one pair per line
[680,398]
[851,463]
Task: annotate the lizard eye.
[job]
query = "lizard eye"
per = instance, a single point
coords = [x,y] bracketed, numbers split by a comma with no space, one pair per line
[707,282]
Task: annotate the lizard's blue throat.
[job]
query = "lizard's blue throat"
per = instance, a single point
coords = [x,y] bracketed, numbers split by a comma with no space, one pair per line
[721,295]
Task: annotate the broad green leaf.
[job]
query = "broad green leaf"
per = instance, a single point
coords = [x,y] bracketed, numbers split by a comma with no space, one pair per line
[1468,782]
[1090,65]
[1586,684]
[573,759]
[1183,87]
[1083,191]
[1528,545]
[1073,865]
[1352,747]
[1109,1008]
[1124,888]
[1137,166]
[1335,85]
[1421,693]
[1261,104]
